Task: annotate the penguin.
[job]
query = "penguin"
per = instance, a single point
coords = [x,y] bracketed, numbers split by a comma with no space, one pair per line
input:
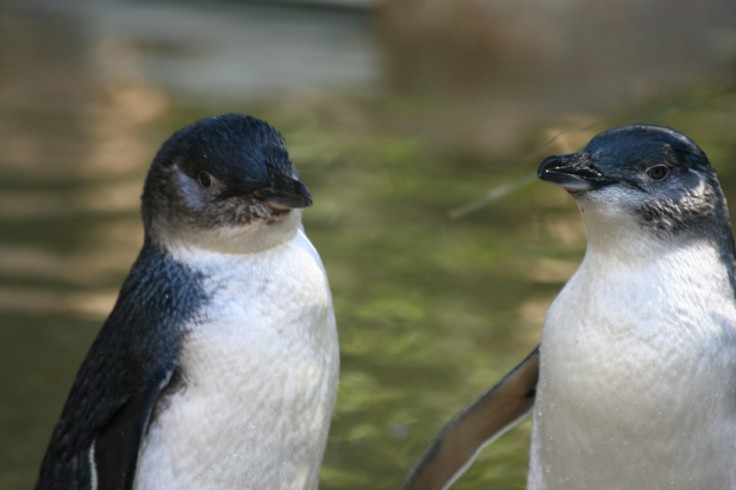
[218,365]
[636,381]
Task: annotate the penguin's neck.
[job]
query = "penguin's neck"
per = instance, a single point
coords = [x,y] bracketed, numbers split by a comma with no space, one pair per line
[644,265]
[251,238]
[633,281]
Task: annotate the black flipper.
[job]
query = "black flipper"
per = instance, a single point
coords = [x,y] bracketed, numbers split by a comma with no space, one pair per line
[489,416]
[132,361]
[115,450]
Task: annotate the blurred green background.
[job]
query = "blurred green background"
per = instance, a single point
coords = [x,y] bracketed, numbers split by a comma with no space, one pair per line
[400,115]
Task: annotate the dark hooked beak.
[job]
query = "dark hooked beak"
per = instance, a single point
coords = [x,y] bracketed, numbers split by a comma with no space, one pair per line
[280,192]
[285,193]
[574,172]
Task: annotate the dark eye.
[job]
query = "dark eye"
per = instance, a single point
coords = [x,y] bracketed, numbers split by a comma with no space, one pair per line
[205,179]
[658,172]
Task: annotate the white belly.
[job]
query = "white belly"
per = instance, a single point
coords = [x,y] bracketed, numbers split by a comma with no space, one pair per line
[260,373]
[637,383]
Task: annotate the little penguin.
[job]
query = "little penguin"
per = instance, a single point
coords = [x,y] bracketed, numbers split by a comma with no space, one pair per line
[218,366]
[634,382]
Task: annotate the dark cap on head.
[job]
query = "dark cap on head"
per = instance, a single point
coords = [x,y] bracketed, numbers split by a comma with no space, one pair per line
[225,169]
[658,174]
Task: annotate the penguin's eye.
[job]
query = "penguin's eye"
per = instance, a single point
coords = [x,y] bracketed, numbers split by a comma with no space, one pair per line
[658,172]
[205,179]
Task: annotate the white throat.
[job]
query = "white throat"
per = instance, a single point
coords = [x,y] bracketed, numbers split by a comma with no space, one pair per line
[254,237]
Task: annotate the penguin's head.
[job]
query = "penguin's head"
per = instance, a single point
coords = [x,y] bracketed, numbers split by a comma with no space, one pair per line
[643,177]
[224,183]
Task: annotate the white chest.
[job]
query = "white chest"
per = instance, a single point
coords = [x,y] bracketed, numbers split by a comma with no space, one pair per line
[260,370]
[637,381]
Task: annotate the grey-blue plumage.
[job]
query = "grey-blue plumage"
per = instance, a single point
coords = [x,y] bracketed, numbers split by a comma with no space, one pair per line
[224,256]
[132,360]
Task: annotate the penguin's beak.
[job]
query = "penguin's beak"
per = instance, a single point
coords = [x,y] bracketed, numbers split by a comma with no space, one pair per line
[574,172]
[280,191]
[285,193]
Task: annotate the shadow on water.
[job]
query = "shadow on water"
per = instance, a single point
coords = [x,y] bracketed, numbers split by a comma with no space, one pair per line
[394,121]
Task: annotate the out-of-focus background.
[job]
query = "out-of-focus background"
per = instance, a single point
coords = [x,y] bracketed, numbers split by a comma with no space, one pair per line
[402,116]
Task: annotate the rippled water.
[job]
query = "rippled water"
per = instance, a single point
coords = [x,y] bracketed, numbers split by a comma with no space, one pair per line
[431,309]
